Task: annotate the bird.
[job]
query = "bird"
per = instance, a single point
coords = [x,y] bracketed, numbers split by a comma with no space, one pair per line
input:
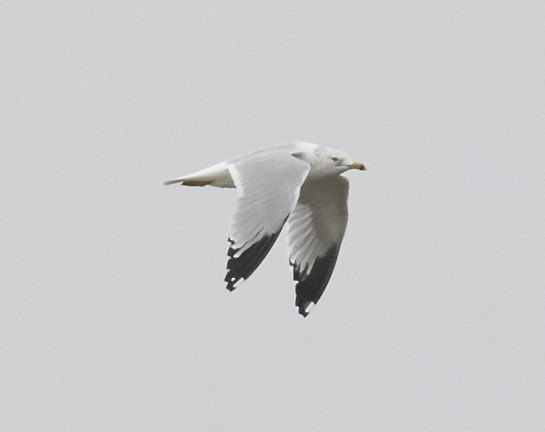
[297,185]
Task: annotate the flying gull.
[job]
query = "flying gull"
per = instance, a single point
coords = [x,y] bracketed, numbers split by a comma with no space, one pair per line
[298,184]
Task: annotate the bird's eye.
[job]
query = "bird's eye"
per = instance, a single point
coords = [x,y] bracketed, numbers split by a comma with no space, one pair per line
[335,159]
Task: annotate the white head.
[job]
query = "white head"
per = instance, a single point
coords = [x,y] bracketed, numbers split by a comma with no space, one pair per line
[326,161]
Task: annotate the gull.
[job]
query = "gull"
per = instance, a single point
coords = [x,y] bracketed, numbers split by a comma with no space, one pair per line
[298,185]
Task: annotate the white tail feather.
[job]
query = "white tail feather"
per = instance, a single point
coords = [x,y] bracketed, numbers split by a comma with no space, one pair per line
[217,175]
[169,182]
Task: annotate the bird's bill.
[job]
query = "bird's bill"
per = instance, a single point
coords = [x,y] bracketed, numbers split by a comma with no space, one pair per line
[357,165]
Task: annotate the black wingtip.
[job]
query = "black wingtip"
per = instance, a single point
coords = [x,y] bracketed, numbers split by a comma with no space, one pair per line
[310,287]
[233,284]
[241,268]
[305,307]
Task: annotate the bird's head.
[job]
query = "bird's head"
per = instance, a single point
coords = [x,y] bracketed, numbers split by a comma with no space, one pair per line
[337,161]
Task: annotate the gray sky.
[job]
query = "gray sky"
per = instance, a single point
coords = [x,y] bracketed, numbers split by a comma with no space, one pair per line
[113,311]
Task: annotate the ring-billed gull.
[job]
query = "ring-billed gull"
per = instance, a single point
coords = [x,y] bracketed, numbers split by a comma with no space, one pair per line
[297,184]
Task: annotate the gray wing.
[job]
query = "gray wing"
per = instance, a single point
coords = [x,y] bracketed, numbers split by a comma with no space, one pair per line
[268,184]
[315,231]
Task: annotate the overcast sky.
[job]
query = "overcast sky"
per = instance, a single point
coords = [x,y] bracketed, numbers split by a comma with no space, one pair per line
[113,311]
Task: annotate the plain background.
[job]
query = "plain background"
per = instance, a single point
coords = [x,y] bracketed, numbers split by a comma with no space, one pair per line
[113,311]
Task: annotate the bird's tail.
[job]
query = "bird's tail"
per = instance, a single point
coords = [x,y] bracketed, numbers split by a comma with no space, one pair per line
[217,175]
[174,181]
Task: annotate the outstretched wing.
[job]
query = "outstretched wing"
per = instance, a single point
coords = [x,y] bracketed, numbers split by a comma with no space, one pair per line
[315,231]
[268,184]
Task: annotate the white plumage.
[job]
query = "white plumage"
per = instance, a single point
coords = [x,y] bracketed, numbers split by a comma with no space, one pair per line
[297,183]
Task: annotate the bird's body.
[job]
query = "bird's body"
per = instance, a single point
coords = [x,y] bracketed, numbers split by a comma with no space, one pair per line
[297,184]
